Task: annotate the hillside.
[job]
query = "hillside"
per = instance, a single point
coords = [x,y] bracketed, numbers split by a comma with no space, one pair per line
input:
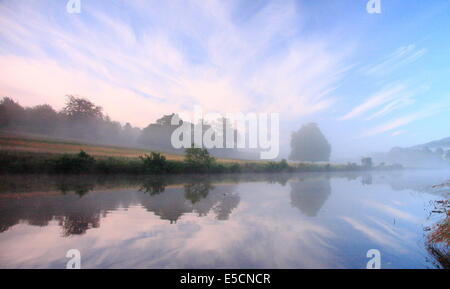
[434,154]
[443,143]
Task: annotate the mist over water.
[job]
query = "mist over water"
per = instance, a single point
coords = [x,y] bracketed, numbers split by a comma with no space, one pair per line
[314,220]
[224,134]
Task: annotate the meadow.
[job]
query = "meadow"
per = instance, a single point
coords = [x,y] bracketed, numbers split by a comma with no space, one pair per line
[33,154]
[29,143]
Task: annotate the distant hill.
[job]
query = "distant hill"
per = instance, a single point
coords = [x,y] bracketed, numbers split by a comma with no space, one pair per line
[443,143]
[434,154]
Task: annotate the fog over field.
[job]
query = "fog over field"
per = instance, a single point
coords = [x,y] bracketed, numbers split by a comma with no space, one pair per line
[225,134]
[370,88]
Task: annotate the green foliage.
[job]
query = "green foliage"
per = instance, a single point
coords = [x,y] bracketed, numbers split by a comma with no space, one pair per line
[79,163]
[112,165]
[309,144]
[198,159]
[22,162]
[80,119]
[235,168]
[277,166]
[83,120]
[11,112]
[154,163]
[13,162]
[78,108]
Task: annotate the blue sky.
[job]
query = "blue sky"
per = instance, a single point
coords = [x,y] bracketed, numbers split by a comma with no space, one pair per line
[371,81]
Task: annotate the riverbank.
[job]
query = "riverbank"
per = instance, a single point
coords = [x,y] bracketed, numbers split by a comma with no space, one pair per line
[19,162]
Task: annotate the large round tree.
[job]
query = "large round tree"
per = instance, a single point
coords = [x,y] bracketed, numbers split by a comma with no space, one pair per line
[309,144]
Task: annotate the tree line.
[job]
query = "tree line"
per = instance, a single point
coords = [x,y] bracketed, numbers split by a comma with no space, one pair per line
[82,120]
[79,119]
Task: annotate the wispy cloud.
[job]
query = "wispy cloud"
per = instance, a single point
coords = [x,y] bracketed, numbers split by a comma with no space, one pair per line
[396,213]
[383,237]
[380,98]
[398,122]
[157,62]
[393,124]
[402,99]
[390,107]
[402,56]
[398,132]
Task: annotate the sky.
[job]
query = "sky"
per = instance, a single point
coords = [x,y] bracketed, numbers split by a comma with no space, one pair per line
[370,81]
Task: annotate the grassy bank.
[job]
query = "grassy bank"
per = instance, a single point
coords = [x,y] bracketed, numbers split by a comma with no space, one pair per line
[15,162]
[27,143]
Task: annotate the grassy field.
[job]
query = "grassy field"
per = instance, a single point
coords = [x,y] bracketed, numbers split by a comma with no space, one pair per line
[34,154]
[38,144]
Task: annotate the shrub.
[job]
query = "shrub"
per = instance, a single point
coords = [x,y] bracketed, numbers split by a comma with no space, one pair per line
[272,167]
[79,163]
[198,159]
[112,165]
[154,163]
[235,168]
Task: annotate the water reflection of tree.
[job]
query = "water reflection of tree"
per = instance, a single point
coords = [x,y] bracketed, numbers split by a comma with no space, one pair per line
[281,179]
[153,186]
[366,180]
[438,240]
[170,205]
[310,194]
[198,197]
[78,224]
[77,215]
[225,206]
[197,191]
[80,185]
[74,214]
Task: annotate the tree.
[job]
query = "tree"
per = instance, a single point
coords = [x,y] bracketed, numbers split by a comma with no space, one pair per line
[154,163]
[11,112]
[84,119]
[166,120]
[78,108]
[366,162]
[130,134]
[42,118]
[198,158]
[157,135]
[79,163]
[309,144]
[447,155]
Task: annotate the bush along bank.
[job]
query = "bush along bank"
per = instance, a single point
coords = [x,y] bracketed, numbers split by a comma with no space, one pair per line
[196,161]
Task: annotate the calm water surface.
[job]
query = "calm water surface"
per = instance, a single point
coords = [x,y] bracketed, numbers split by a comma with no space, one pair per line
[314,220]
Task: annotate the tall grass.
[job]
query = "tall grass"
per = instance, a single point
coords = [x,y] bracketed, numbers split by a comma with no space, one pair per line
[17,162]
